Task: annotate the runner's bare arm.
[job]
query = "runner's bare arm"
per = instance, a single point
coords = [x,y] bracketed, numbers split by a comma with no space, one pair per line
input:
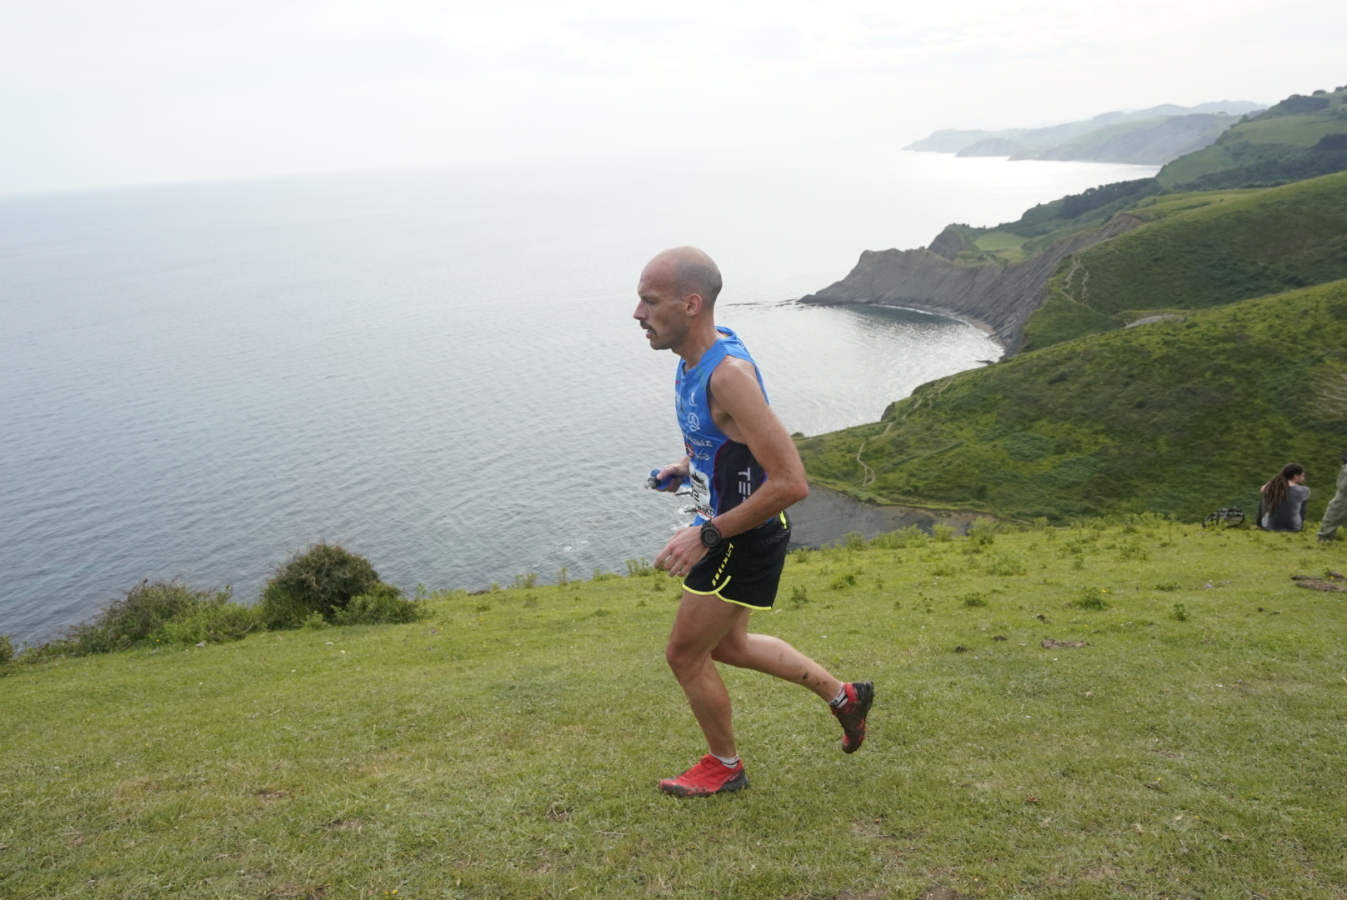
[741,411]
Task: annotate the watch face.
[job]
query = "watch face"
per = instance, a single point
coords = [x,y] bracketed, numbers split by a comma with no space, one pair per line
[710,535]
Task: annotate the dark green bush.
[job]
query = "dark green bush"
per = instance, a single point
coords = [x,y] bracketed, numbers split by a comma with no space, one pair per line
[382,605]
[1296,104]
[136,619]
[145,610]
[322,580]
[6,650]
[153,612]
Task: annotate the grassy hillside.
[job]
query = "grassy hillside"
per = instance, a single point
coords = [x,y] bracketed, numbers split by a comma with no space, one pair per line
[1176,417]
[1133,710]
[1200,250]
[1301,137]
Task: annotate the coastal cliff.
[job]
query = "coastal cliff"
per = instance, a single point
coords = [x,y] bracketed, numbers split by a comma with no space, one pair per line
[1000,296]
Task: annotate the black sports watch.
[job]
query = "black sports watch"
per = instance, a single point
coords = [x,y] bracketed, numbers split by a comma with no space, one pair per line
[711,536]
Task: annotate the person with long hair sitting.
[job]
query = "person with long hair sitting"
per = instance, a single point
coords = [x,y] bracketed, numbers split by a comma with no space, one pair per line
[1282,507]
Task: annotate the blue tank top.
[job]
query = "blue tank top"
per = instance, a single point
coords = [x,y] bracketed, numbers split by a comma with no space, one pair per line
[722,472]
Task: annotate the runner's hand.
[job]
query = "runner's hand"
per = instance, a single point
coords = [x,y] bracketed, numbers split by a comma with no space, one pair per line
[684,550]
[677,475]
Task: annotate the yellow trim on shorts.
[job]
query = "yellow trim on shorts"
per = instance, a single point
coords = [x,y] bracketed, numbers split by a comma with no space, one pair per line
[721,597]
[715,591]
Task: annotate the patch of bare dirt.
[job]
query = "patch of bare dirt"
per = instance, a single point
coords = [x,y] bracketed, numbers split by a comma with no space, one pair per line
[1329,581]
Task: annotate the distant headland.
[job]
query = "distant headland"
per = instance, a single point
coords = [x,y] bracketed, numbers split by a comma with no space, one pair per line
[1149,137]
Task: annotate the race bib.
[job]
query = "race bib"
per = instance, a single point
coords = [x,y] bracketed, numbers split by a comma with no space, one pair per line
[701,491]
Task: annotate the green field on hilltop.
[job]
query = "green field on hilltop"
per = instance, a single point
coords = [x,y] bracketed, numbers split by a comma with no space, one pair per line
[1178,417]
[1300,137]
[1136,709]
[1049,223]
[1294,131]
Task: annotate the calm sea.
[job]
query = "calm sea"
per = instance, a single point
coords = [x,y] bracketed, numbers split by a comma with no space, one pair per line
[436,370]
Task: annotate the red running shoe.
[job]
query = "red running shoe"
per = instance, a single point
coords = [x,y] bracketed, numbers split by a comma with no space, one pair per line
[709,776]
[860,694]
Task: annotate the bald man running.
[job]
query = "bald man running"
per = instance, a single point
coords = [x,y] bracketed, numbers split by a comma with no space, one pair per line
[744,472]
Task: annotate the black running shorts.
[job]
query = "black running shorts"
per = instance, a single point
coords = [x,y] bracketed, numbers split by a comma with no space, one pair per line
[747,567]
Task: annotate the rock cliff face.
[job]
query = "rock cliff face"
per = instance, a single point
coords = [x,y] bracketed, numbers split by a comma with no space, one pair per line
[999,295]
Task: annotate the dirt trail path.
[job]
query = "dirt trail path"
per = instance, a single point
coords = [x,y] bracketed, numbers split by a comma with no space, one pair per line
[869,473]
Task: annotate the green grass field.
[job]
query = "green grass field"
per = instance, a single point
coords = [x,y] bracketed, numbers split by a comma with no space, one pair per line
[1136,710]
[1001,244]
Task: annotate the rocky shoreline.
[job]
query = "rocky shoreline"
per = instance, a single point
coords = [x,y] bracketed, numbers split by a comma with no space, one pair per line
[826,517]
[999,297]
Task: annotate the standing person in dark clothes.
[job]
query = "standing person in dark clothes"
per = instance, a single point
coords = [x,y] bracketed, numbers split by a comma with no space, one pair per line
[744,471]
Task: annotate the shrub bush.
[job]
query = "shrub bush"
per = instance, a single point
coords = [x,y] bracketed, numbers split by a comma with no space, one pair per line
[152,611]
[145,610]
[141,615]
[322,580]
[1090,599]
[6,650]
[635,568]
[214,621]
[383,605]
[982,532]
[1005,565]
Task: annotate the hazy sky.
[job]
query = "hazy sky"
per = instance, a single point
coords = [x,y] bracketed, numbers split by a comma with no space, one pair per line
[95,93]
